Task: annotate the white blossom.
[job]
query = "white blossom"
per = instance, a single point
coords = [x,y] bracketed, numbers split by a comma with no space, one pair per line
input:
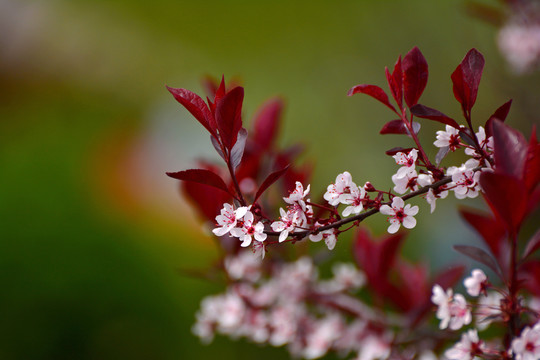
[400,214]
[467,348]
[228,218]
[476,282]
[527,345]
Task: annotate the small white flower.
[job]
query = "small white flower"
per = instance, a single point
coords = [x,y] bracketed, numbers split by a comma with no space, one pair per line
[329,236]
[400,214]
[469,346]
[433,195]
[244,266]
[407,160]
[452,309]
[289,221]
[297,195]
[527,346]
[476,283]
[374,347]
[338,192]
[449,138]
[249,230]
[405,183]
[519,42]
[354,200]
[485,144]
[228,218]
[465,180]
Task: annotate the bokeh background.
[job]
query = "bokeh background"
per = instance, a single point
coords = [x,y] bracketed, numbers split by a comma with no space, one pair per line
[95,240]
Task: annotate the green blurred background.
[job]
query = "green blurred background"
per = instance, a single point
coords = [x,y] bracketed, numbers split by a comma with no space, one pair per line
[93,234]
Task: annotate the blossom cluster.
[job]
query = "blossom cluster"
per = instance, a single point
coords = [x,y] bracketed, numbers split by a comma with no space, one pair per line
[377,308]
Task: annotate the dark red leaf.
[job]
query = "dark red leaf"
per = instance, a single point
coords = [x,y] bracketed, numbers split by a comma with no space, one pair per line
[479,255]
[374,91]
[395,150]
[500,114]
[415,76]
[532,245]
[531,172]
[207,200]
[426,112]
[395,82]
[266,123]
[466,79]
[510,149]
[217,146]
[492,231]
[238,148]
[449,277]
[196,106]
[466,135]
[506,197]
[229,116]
[270,179]
[397,127]
[200,176]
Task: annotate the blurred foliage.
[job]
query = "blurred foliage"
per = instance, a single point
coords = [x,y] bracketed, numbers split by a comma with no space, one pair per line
[93,234]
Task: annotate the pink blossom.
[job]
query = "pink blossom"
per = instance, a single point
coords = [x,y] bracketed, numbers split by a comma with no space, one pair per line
[449,138]
[249,230]
[228,218]
[467,348]
[407,160]
[527,346]
[244,266]
[400,214]
[520,44]
[405,183]
[433,195]
[374,347]
[289,221]
[354,200]
[476,283]
[452,309]
[489,307]
[485,144]
[465,180]
[329,236]
[297,195]
[338,192]
[324,332]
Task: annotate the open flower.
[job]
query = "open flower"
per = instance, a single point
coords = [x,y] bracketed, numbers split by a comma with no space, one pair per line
[407,160]
[249,230]
[476,283]
[329,236]
[289,221]
[448,138]
[337,193]
[354,200]
[228,219]
[297,195]
[452,309]
[527,346]
[399,214]
[466,349]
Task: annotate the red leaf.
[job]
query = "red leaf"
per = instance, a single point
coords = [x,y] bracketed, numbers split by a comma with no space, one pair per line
[426,112]
[201,176]
[374,91]
[492,231]
[266,123]
[415,76]
[500,114]
[395,82]
[466,79]
[532,245]
[397,127]
[196,106]
[506,197]
[229,116]
[207,200]
[531,172]
[510,149]
[479,255]
[395,150]
[449,277]
[270,179]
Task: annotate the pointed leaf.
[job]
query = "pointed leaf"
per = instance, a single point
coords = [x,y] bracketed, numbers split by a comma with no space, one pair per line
[426,112]
[238,148]
[510,149]
[465,135]
[395,150]
[270,179]
[500,114]
[266,123]
[449,277]
[395,82]
[415,76]
[506,196]
[201,176]
[531,173]
[479,255]
[398,127]
[196,106]
[441,154]
[532,245]
[217,146]
[491,230]
[374,91]
[466,79]
[229,116]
